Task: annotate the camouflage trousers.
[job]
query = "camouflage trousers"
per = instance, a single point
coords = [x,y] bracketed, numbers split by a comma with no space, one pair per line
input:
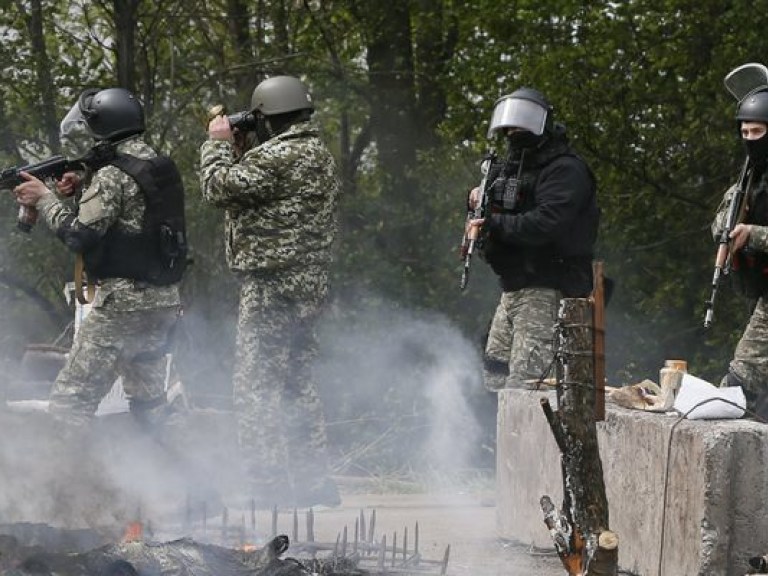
[520,340]
[111,344]
[750,360]
[280,419]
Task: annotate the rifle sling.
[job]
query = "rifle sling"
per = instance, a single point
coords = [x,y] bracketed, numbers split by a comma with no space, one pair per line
[83,296]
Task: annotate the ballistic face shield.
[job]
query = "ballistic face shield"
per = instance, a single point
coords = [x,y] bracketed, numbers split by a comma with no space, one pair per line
[748,83]
[76,138]
[746,79]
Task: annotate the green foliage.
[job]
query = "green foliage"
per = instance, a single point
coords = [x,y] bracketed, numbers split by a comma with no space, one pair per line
[638,84]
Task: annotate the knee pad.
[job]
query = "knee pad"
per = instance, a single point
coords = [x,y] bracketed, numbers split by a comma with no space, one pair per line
[495,373]
[495,367]
[733,379]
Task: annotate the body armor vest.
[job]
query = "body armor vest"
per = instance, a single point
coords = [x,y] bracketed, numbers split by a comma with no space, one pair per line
[158,254]
[511,186]
[513,191]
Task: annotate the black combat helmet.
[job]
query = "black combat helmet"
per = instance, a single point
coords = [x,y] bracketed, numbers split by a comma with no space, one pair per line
[753,108]
[280,95]
[111,114]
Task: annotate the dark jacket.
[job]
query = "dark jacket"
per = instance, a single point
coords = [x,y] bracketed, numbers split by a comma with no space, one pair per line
[750,264]
[548,239]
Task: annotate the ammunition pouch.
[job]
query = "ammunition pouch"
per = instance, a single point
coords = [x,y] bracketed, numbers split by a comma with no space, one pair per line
[505,194]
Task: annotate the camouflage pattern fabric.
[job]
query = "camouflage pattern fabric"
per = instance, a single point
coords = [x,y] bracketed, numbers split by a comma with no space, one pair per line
[281,425]
[750,359]
[110,344]
[279,199]
[113,198]
[280,203]
[520,341]
[127,329]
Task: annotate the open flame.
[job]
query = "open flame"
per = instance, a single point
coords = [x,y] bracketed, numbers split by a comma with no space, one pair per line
[134,532]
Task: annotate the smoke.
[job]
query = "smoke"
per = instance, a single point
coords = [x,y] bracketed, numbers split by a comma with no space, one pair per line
[104,475]
[403,393]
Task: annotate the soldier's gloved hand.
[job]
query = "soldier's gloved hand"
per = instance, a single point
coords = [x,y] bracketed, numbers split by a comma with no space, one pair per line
[68,184]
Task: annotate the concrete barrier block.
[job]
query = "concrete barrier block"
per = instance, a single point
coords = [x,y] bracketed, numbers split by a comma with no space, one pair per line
[716,513]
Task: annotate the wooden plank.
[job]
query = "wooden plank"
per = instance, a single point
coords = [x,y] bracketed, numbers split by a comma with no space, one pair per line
[598,339]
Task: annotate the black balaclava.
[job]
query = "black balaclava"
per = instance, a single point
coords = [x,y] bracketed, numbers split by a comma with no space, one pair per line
[757,150]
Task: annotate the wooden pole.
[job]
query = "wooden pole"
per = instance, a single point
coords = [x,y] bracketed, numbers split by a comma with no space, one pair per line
[580,529]
[598,339]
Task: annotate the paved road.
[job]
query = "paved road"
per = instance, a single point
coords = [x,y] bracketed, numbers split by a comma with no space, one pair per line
[465,522]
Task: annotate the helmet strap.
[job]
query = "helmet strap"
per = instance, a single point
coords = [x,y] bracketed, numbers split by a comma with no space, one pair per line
[263,129]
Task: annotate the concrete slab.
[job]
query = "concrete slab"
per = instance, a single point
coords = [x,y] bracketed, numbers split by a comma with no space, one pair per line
[715,473]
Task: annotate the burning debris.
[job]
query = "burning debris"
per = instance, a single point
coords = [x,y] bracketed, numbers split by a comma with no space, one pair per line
[177,558]
[124,501]
[43,550]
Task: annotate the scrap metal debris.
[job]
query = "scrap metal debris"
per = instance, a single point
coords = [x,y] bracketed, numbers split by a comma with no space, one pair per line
[226,549]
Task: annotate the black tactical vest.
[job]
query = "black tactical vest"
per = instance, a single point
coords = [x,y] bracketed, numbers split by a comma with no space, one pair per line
[513,191]
[158,254]
[512,186]
[750,267]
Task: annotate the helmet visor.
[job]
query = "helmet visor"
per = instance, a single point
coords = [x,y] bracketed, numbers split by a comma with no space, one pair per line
[73,122]
[746,79]
[517,113]
[76,138]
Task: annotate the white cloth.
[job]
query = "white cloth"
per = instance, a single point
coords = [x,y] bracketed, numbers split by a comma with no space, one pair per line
[720,403]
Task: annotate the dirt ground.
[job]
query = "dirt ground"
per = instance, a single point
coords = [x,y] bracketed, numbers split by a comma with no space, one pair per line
[466,522]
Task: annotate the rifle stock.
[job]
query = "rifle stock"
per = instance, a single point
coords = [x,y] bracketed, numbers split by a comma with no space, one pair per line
[734,215]
[471,233]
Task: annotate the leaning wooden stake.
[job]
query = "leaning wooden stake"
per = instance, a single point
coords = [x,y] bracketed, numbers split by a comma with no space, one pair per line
[598,339]
[580,529]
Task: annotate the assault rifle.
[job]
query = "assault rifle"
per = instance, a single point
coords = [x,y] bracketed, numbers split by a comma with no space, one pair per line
[471,232]
[53,167]
[737,206]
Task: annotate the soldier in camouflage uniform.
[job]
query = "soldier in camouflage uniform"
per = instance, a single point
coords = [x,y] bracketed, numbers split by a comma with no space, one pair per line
[749,245]
[538,236]
[279,199]
[126,332]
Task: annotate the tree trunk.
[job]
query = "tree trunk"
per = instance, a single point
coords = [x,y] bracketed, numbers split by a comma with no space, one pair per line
[580,529]
[391,76]
[435,39]
[238,24]
[46,90]
[125,16]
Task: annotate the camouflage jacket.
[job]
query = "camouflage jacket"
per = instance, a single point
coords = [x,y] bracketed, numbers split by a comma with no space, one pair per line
[279,200]
[112,198]
[758,236]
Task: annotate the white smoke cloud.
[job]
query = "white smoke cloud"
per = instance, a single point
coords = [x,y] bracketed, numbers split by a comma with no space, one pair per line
[411,375]
[405,384]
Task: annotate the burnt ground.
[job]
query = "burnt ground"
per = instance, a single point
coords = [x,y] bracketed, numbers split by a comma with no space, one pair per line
[464,521]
